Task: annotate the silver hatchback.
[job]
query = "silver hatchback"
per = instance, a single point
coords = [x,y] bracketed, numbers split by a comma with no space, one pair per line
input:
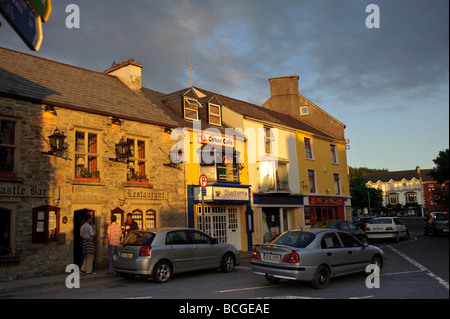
[160,253]
[314,256]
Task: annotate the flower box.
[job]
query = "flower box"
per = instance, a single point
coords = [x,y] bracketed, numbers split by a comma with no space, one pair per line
[7,174]
[141,182]
[88,179]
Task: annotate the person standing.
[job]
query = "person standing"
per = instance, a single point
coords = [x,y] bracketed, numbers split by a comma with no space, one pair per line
[114,232]
[87,233]
[129,225]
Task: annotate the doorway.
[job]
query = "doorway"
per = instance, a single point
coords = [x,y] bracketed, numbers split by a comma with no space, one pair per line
[78,221]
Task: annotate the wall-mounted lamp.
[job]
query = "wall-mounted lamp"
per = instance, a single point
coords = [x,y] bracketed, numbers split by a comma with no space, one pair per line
[56,142]
[50,109]
[116,121]
[122,150]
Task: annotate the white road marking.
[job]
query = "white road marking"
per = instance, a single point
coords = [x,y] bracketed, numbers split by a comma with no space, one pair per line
[244,289]
[146,297]
[420,266]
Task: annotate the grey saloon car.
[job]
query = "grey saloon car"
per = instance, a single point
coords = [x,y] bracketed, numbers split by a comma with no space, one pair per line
[314,255]
[160,253]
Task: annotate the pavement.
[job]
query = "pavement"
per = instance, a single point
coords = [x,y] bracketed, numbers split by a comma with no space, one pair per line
[60,279]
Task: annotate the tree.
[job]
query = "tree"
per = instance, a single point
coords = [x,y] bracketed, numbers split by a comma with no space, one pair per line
[360,194]
[441,173]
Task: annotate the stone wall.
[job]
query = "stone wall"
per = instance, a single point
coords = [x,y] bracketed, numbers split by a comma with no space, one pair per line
[55,177]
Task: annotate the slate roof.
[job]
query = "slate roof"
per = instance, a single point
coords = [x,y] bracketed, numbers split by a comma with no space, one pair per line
[399,175]
[24,76]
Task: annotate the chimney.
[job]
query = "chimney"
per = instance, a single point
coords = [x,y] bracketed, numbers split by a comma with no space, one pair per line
[129,72]
[286,85]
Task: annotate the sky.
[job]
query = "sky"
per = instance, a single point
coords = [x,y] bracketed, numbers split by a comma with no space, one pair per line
[388,85]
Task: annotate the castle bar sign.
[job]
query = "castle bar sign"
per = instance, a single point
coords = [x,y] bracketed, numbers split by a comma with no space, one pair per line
[21,190]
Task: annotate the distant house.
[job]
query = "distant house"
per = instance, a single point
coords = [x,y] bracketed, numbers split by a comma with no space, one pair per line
[407,192]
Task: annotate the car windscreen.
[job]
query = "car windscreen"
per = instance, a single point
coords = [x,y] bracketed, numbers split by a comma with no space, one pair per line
[381,221]
[297,239]
[138,238]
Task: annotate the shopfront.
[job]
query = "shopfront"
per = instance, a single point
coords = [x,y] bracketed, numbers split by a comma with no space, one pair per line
[226,216]
[324,208]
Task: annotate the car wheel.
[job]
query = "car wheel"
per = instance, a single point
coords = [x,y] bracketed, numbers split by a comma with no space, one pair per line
[227,264]
[321,278]
[162,272]
[406,235]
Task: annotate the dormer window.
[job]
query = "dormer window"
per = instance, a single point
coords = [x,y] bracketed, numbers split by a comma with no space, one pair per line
[215,116]
[304,110]
[191,109]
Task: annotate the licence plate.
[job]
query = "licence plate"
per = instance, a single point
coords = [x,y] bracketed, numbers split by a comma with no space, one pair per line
[272,257]
[127,255]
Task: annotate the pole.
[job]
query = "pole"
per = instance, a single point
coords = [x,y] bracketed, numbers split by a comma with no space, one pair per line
[203,212]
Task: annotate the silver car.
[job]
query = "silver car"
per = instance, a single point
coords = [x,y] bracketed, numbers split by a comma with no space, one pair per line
[160,253]
[314,256]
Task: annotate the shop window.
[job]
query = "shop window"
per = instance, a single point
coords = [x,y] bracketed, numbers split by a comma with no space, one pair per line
[45,224]
[5,232]
[220,166]
[137,160]
[119,213]
[150,219]
[86,155]
[7,147]
[137,217]
[215,116]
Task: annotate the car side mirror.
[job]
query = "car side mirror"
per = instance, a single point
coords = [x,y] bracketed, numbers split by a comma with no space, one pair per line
[365,244]
[215,241]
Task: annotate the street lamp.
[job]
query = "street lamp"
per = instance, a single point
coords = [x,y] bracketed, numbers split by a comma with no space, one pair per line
[56,142]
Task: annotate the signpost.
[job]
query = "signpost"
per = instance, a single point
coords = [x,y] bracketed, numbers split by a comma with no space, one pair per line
[22,17]
[203,181]
[43,7]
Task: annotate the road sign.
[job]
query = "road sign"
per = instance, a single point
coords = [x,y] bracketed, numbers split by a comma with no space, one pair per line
[43,7]
[24,21]
[203,180]
[203,191]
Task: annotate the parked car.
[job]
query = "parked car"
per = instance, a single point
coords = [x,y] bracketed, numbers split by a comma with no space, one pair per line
[160,253]
[436,222]
[345,226]
[387,228]
[362,222]
[314,255]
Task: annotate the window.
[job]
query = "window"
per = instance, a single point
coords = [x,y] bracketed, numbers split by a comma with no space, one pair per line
[5,232]
[150,219]
[333,151]
[137,217]
[312,181]
[337,184]
[393,198]
[411,198]
[269,139]
[220,166]
[274,177]
[86,154]
[215,114]
[136,160]
[348,240]
[177,238]
[45,224]
[191,109]
[304,110]
[308,148]
[330,241]
[199,238]
[7,145]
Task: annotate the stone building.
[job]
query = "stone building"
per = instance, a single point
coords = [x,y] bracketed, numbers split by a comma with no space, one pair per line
[46,189]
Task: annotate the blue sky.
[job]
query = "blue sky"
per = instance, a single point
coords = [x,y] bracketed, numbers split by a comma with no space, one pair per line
[390,86]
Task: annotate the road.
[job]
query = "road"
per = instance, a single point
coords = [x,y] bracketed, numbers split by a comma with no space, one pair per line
[417,268]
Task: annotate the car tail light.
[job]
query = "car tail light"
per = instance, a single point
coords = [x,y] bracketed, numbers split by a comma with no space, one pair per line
[389,228]
[145,250]
[256,254]
[291,258]
[367,229]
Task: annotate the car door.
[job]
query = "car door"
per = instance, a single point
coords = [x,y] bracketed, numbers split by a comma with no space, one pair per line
[401,228]
[357,257]
[180,250]
[333,254]
[206,253]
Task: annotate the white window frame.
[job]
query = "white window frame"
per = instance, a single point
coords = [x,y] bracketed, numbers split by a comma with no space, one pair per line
[191,102]
[219,115]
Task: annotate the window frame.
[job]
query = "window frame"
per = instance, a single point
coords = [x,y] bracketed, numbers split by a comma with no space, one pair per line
[12,147]
[313,176]
[337,183]
[191,104]
[217,115]
[90,159]
[139,163]
[308,145]
[46,209]
[334,153]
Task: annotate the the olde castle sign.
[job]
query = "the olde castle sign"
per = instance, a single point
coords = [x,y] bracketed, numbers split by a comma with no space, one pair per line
[23,190]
